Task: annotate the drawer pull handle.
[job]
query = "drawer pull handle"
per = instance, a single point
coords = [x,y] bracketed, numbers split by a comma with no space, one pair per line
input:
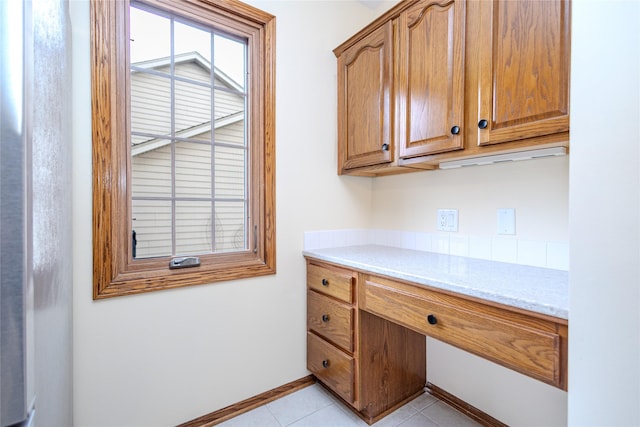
[325,363]
[325,282]
[432,319]
[325,317]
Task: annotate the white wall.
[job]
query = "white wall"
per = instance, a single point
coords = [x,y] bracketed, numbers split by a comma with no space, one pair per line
[604,311]
[537,189]
[170,356]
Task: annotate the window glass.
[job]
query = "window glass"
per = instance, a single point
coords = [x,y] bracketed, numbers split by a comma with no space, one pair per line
[152,232]
[149,35]
[229,54]
[187,136]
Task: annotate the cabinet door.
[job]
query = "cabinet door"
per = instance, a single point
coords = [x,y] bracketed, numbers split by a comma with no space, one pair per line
[364,108]
[523,69]
[431,78]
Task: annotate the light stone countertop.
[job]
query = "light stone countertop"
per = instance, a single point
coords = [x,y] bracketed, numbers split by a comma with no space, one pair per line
[541,290]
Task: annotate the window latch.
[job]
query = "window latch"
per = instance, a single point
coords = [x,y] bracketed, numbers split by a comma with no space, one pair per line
[184,262]
[255,239]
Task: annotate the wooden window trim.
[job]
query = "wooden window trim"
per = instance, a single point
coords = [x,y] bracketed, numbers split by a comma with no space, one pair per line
[115,272]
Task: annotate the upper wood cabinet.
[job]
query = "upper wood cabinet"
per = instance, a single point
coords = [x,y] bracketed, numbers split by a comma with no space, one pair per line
[439,80]
[430,77]
[365,101]
[523,69]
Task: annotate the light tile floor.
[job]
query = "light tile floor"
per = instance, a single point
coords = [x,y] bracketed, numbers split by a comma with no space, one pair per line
[313,406]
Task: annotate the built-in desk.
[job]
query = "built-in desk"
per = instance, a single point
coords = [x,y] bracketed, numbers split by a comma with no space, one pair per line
[369,308]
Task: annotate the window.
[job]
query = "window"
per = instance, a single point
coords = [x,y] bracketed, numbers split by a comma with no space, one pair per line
[183,149]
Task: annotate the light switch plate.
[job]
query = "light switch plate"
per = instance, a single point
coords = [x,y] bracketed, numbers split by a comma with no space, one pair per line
[447,220]
[507,221]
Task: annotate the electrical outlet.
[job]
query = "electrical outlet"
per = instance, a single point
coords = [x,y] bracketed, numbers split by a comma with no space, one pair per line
[447,220]
[507,221]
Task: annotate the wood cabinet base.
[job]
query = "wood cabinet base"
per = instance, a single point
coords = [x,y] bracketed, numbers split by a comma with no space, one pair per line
[392,363]
[366,337]
[371,363]
[387,370]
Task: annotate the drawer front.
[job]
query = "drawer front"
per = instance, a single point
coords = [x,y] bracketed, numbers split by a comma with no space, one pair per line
[330,319]
[330,365]
[534,352]
[335,282]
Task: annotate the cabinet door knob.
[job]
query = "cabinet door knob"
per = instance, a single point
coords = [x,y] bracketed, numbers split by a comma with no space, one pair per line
[482,124]
[325,282]
[385,147]
[325,317]
[432,319]
[455,130]
[325,363]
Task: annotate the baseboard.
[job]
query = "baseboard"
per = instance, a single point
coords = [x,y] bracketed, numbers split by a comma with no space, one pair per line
[236,409]
[246,405]
[462,406]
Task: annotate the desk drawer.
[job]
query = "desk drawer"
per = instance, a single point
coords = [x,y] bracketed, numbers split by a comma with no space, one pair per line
[331,281]
[331,365]
[330,319]
[528,346]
